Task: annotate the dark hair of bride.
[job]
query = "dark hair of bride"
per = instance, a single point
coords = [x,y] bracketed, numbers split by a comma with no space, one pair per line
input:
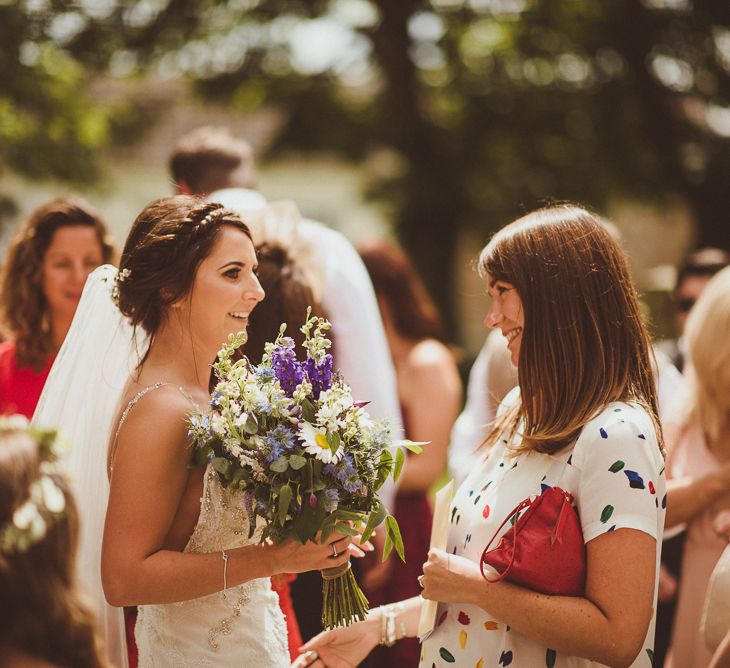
[42,612]
[164,249]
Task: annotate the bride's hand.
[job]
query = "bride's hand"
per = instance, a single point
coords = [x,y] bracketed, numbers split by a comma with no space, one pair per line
[344,647]
[293,557]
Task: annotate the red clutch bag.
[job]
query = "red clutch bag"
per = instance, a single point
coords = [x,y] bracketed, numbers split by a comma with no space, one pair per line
[544,550]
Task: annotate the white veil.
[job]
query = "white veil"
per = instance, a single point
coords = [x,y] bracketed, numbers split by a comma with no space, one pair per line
[80,399]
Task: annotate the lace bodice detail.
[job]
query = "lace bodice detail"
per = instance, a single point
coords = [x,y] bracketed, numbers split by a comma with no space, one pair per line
[242,626]
[223,523]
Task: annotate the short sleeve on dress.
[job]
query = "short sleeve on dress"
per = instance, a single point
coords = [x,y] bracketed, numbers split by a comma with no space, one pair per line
[621,473]
[510,398]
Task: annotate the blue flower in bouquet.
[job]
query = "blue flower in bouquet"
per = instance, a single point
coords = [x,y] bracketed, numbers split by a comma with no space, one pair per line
[344,473]
[287,368]
[282,435]
[331,499]
[264,373]
[271,449]
[320,375]
[216,400]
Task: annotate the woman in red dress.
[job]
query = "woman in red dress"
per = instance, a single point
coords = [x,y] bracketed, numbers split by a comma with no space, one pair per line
[429,390]
[43,276]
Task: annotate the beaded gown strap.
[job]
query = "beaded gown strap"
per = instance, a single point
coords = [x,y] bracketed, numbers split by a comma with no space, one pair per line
[132,403]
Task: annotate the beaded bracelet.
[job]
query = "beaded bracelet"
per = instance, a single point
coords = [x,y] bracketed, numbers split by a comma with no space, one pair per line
[388,633]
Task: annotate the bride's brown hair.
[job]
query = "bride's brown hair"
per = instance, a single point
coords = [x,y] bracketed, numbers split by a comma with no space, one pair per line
[163,251]
[584,341]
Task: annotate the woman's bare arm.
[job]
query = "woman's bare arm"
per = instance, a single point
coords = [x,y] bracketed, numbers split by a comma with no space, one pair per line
[608,625]
[688,497]
[148,481]
[431,394]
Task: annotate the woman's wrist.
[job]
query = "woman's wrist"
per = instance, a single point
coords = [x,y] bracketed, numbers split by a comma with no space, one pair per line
[392,624]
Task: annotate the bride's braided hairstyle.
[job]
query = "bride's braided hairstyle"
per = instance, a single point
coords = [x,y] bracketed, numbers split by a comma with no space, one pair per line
[164,249]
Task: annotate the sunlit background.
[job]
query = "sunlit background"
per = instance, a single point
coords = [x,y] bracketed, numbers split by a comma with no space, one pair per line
[435,122]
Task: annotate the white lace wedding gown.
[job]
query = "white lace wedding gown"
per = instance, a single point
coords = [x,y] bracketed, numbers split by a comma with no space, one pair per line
[244,628]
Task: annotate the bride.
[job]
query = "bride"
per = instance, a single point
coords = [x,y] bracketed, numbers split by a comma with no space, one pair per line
[174,541]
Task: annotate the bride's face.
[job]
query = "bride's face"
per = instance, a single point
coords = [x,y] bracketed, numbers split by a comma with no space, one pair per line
[225,290]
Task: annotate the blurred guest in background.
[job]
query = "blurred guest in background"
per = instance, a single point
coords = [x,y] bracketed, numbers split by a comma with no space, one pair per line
[288,294]
[44,622]
[694,274]
[698,465]
[429,390]
[692,277]
[491,377]
[43,276]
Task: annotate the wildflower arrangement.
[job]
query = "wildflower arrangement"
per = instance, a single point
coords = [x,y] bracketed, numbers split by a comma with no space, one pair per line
[288,435]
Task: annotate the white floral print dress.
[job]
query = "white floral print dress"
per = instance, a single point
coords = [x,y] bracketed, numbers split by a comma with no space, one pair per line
[615,473]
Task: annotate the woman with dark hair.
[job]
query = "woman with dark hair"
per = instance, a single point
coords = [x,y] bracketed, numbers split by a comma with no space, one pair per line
[46,267]
[175,542]
[582,419]
[429,390]
[44,620]
[288,295]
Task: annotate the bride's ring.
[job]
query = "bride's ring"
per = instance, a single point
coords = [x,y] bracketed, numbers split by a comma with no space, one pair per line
[420,581]
[335,553]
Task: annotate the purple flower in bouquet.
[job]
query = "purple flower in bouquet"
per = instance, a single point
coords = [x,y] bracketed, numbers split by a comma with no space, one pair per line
[248,502]
[287,368]
[320,375]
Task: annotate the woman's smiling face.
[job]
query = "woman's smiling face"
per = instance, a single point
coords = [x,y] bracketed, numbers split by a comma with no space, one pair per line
[225,290]
[506,313]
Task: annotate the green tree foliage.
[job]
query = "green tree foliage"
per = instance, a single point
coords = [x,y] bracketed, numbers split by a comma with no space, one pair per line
[48,127]
[464,113]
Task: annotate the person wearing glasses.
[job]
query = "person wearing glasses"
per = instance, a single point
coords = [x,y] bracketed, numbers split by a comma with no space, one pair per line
[692,277]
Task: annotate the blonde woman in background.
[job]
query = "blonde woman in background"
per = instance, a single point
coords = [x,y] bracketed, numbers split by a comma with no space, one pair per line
[698,466]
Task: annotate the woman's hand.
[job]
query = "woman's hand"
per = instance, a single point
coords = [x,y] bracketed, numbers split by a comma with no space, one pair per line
[721,524]
[347,646]
[448,578]
[293,557]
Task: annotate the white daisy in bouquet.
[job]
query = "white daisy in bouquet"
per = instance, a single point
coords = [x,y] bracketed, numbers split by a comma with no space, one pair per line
[309,460]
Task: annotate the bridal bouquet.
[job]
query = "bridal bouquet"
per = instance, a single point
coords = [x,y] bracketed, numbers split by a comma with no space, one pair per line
[306,456]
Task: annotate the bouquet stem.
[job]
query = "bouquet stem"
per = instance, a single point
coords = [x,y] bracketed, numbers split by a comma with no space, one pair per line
[343,601]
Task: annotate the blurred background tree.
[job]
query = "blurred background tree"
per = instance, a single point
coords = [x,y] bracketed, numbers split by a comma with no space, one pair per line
[464,113]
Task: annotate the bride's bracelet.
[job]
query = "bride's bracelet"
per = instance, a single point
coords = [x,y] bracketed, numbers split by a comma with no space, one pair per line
[224,556]
[388,633]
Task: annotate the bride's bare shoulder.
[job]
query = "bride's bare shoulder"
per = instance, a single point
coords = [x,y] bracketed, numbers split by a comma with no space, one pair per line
[156,413]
